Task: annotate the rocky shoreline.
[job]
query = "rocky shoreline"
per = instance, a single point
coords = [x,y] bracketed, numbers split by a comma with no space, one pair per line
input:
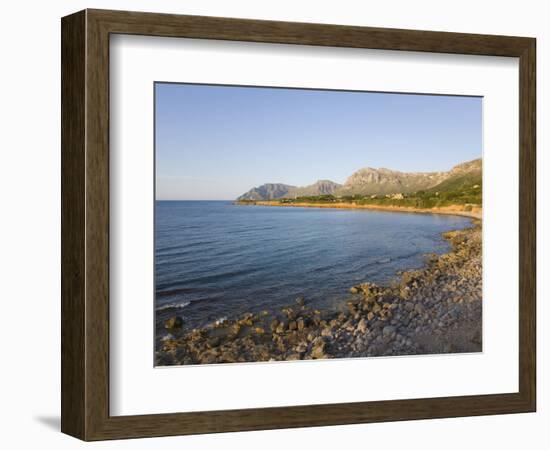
[436,309]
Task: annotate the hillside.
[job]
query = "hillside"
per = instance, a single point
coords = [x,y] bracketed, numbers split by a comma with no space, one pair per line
[368,182]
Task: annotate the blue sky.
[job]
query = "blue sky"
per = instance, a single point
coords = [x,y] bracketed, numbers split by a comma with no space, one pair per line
[217,142]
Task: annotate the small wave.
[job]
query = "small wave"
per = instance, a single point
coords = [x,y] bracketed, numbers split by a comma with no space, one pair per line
[220,321]
[171,306]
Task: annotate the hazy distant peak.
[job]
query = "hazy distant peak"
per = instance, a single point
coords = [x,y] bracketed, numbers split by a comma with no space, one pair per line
[271,191]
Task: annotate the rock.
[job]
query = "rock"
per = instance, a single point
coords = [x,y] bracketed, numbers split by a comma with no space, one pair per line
[301,347]
[280,328]
[409,306]
[388,330]
[418,308]
[352,307]
[318,348]
[274,324]
[247,321]
[311,336]
[362,326]
[369,289]
[326,332]
[259,330]
[370,316]
[300,301]
[213,342]
[301,324]
[173,323]
[235,329]
[354,290]
[290,313]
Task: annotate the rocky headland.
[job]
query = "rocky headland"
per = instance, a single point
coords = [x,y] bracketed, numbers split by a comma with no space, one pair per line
[436,309]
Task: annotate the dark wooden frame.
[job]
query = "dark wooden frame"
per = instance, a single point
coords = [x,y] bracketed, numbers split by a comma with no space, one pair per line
[85,224]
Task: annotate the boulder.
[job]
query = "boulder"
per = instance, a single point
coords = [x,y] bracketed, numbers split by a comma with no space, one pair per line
[173,323]
[362,326]
[318,348]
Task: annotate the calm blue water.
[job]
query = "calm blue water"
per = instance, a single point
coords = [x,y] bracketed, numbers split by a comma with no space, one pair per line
[215,259]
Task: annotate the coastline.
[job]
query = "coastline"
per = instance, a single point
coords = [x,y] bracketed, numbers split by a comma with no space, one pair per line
[455,210]
[435,309]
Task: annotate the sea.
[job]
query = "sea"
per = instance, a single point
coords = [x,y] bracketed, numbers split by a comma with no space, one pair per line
[217,259]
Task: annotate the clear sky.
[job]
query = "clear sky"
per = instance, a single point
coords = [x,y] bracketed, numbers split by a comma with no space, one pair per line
[217,142]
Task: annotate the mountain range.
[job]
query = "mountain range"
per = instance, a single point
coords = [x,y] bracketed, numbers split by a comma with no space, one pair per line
[369,181]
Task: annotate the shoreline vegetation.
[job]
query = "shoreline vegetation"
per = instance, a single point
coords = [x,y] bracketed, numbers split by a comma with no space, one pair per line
[435,309]
[462,197]
[467,210]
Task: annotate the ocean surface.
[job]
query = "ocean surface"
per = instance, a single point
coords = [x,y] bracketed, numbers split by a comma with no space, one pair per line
[215,259]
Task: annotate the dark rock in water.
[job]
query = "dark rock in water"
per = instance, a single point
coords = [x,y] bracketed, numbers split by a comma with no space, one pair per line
[173,323]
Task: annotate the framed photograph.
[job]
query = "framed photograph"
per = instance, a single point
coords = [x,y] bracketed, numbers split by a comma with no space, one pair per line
[273,225]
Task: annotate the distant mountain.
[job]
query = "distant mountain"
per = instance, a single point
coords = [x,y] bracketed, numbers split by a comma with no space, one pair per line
[369,181]
[321,187]
[268,191]
[272,191]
